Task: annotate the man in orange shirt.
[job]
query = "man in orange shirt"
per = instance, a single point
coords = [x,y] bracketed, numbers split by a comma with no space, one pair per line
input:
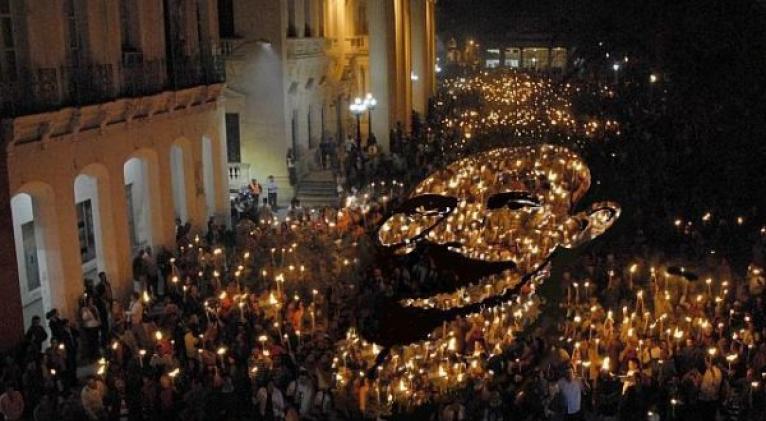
[255,191]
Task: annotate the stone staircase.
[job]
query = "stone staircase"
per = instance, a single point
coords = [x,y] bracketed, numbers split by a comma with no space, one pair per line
[317,189]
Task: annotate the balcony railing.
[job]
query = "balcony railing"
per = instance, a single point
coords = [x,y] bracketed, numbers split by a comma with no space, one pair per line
[357,45]
[88,84]
[230,45]
[46,89]
[298,48]
[239,175]
[143,78]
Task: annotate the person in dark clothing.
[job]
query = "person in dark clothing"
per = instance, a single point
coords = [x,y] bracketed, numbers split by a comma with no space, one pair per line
[608,396]
[62,332]
[91,325]
[36,334]
[102,307]
[325,151]
[106,290]
[140,271]
[633,404]
[121,405]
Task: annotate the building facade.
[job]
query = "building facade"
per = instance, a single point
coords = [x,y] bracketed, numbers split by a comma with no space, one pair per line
[529,54]
[112,130]
[294,66]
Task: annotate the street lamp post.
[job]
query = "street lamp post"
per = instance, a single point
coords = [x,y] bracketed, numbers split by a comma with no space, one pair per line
[369,102]
[616,68]
[357,108]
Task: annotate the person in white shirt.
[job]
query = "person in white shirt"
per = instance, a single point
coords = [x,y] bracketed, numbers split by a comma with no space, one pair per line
[270,400]
[571,389]
[304,394]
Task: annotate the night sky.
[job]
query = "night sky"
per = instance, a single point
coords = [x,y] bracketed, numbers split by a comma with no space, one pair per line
[711,53]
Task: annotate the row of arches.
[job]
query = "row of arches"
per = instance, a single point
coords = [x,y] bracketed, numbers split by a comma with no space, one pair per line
[37,210]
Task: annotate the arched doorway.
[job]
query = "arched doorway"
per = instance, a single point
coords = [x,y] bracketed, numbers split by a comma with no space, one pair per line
[92,209]
[138,198]
[31,232]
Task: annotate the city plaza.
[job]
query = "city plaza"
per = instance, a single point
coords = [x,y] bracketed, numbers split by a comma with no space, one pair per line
[292,210]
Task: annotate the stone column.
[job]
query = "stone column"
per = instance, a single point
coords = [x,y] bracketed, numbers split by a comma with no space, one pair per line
[66,285]
[403,69]
[380,61]
[300,17]
[110,253]
[165,179]
[122,283]
[160,200]
[420,59]
[429,73]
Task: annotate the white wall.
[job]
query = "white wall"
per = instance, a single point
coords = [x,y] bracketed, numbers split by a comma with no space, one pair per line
[86,188]
[178,182]
[264,123]
[135,172]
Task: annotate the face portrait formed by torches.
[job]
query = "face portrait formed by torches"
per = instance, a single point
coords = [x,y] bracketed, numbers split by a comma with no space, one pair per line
[506,209]
[493,220]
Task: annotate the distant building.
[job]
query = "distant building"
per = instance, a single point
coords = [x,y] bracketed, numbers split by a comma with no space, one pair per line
[467,56]
[530,52]
[454,55]
[492,58]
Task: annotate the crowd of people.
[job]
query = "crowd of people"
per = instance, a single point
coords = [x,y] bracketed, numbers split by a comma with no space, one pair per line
[662,319]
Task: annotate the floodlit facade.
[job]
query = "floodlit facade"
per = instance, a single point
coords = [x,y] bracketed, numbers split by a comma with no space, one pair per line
[112,128]
[532,57]
[294,66]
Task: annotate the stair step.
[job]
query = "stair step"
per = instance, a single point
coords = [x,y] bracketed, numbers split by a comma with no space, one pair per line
[318,190]
[321,185]
[318,202]
[314,181]
[316,196]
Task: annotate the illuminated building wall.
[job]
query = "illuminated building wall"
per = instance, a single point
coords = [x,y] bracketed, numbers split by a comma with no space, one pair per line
[111,129]
[295,66]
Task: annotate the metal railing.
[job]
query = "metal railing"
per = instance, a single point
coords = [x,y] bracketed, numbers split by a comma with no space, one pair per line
[144,78]
[306,47]
[88,84]
[358,45]
[239,175]
[44,89]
